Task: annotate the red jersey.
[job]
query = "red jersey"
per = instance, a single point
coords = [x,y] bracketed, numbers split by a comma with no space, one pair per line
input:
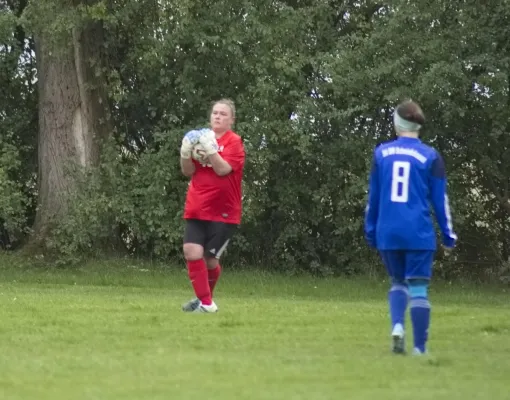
[212,197]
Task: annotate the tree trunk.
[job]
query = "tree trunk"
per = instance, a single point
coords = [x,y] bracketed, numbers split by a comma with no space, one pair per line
[73,118]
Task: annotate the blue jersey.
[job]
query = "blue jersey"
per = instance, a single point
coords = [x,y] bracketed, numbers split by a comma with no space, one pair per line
[406,177]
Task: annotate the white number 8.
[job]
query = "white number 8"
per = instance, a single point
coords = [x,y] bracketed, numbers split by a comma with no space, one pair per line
[400,181]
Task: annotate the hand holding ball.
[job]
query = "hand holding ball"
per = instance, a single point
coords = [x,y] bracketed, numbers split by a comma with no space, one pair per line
[188,141]
[199,144]
[206,146]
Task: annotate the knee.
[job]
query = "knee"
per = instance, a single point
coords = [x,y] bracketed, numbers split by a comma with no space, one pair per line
[399,286]
[212,262]
[192,251]
[418,287]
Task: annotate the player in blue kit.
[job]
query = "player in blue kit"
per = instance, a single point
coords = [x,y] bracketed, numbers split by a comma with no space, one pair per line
[406,177]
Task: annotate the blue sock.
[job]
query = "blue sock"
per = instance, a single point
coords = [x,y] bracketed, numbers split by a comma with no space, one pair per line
[420,315]
[397,299]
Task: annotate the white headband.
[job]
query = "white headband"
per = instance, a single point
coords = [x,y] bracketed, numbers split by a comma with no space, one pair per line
[403,125]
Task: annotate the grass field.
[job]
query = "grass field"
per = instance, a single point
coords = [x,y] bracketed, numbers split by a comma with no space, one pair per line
[116,331]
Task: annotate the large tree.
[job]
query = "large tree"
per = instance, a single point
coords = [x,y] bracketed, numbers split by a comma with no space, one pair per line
[73,112]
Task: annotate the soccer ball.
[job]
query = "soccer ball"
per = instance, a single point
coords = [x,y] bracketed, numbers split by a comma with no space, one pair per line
[198,153]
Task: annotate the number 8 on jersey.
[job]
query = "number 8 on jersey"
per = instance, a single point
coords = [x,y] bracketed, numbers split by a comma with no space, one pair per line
[400,181]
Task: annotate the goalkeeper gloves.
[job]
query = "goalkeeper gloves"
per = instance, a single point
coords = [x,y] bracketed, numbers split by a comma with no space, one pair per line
[189,140]
[205,137]
[208,142]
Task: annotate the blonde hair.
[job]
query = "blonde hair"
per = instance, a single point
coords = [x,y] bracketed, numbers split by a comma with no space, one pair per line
[228,103]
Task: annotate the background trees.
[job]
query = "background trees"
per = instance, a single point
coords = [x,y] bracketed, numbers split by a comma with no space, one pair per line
[97,94]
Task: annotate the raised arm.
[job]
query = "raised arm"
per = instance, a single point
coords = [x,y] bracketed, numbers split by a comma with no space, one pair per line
[188,141]
[187,167]
[232,158]
[220,165]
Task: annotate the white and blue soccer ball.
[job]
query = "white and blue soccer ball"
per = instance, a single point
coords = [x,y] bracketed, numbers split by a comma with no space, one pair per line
[198,153]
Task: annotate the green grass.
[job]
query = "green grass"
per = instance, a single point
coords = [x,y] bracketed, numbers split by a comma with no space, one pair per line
[115,331]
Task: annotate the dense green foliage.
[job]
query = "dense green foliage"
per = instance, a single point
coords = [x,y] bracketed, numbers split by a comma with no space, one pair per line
[315,83]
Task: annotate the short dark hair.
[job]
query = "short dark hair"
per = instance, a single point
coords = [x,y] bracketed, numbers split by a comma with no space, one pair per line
[411,111]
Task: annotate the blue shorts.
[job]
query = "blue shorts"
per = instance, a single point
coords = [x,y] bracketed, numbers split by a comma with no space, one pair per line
[408,264]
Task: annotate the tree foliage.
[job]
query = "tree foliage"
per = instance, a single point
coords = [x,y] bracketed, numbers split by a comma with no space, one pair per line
[315,83]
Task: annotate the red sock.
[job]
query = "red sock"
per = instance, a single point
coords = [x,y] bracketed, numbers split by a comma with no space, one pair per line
[214,275]
[197,271]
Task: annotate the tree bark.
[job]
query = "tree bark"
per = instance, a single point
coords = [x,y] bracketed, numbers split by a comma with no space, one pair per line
[73,118]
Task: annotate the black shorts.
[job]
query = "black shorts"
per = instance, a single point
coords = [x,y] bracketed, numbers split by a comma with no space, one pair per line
[211,235]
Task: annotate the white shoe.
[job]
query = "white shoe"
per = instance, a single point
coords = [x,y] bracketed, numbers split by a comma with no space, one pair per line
[418,352]
[191,305]
[398,341]
[202,308]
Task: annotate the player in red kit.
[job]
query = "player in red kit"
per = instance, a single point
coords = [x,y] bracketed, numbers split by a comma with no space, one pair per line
[213,202]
